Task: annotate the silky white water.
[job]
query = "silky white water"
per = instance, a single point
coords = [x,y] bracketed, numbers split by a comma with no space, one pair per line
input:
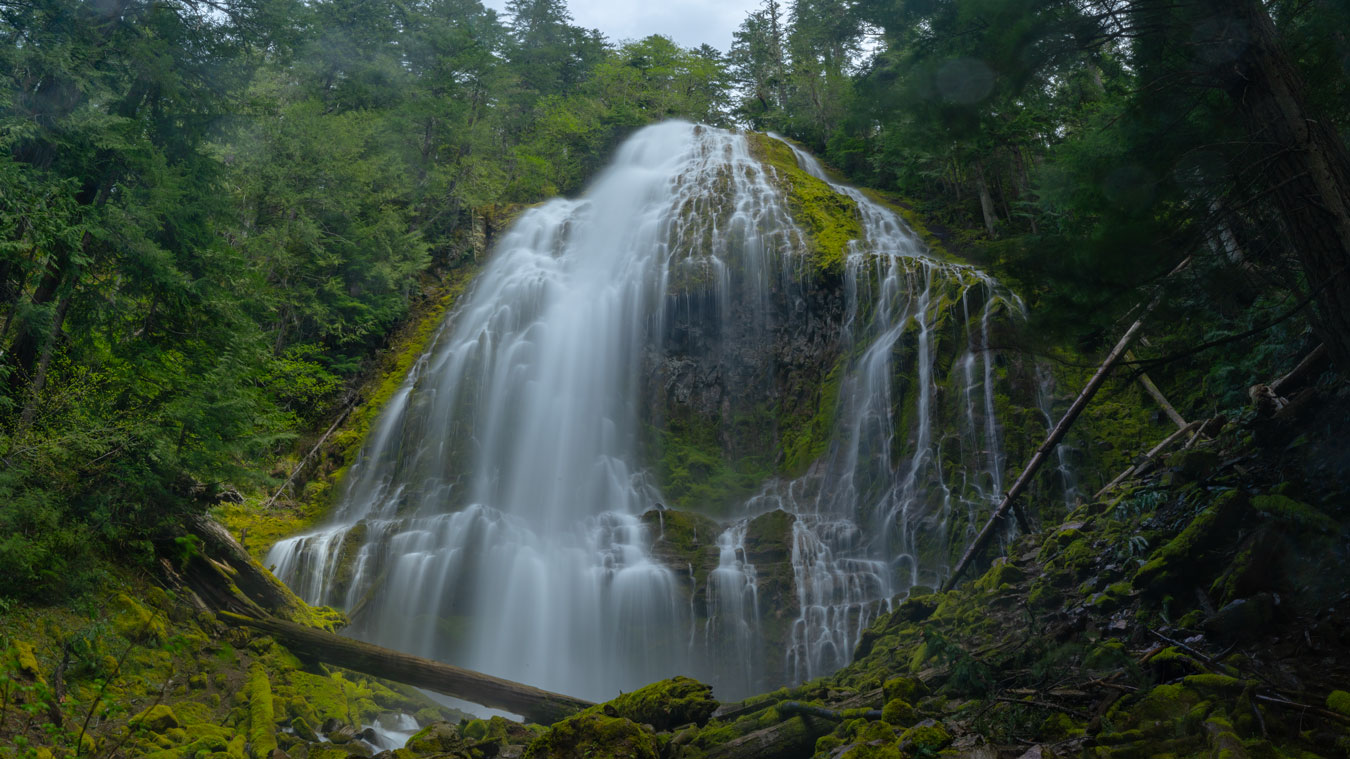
[492,517]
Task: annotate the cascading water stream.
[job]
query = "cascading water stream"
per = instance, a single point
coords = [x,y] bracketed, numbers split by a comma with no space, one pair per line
[494,516]
[880,499]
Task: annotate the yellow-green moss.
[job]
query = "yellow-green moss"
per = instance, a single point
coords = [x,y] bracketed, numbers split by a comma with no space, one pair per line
[925,740]
[1339,701]
[439,738]
[1000,574]
[898,711]
[26,660]
[806,440]
[157,719]
[262,726]
[1285,509]
[1189,547]
[594,736]
[664,705]
[134,622]
[829,219]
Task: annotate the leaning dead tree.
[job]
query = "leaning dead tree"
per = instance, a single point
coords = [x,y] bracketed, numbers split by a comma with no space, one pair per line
[1048,446]
[1056,435]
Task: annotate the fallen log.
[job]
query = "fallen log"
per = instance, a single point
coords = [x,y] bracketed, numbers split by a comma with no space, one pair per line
[534,704]
[790,739]
[834,715]
[223,563]
[1289,382]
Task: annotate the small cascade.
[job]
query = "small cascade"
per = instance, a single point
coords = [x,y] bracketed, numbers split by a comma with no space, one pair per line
[503,514]
[1045,387]
[731,633]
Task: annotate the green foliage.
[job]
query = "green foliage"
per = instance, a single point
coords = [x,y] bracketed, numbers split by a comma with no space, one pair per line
[211,218]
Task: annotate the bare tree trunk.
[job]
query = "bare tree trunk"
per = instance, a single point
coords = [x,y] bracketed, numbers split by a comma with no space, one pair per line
[986,200]
[44,363]
[1158,396]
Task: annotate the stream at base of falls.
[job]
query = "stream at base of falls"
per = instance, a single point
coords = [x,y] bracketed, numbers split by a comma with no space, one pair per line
[505,513]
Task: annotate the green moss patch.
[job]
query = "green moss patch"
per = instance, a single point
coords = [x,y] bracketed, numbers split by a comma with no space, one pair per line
[829,219]
[665,704]
[597,736]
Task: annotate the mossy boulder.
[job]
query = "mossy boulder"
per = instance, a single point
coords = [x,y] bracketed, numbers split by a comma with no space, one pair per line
[665,704]
[25,660]
[910,689]
[594,736]
[303,729]
[1339,701]
[157,719]
[1000,574]
[925,739]
[438,738]
[1196,547]
[898,711]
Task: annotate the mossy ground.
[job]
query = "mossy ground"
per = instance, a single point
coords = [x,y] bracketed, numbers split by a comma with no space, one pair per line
[133,670]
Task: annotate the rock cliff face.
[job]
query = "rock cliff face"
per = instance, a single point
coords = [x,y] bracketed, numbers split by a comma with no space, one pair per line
[724,397]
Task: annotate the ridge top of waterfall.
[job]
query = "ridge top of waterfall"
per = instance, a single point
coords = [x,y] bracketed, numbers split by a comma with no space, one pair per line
[504,512]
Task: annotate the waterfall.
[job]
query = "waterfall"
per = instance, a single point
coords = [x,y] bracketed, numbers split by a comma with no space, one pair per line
[494,518]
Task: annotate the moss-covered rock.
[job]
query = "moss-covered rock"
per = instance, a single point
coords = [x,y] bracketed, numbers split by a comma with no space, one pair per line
[25,661]
[665,704]
[594,736]
[910,689]
[1339,701]
[303,729]
[925,739]
[137,623]
[1196,546]
[157,719]
[438,738]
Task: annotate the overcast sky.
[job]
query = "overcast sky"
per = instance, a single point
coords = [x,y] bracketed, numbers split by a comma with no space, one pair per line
[689,22]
